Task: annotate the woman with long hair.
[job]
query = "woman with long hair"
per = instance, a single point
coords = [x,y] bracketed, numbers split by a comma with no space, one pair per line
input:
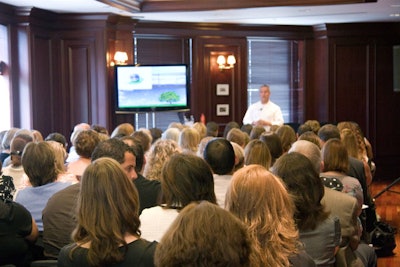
[108,223]
[261,201]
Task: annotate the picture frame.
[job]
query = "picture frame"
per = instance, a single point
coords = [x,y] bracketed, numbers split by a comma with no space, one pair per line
[222,89]
[222,109]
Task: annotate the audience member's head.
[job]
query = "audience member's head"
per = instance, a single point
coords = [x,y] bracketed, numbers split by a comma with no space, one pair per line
[237,136]
[18,145]
[229,126]
[311,151]
[171,133]
[99,128]
[287,136]
[186,178]
[305,186]
[256,132]
[85,142]
[39,165]
[158,154]
[202,145]
[79,127]
[314,124]
[189,241]
[349,140]
[259,199]
[212,128]
[239,156]
[189,139]
[219,154]
[257,152]
[312,137]
[274,144]
[145,139]
[8,136]
[136,146]
[246,128]
[201,129]
[122,129]
[328,131]
[119,151]
[107,211]
[37,136]
[335,156]
[60,155]
[155,134]
[303,128]
[57,137]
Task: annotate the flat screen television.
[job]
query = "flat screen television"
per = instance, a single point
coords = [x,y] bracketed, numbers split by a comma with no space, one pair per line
[148,88]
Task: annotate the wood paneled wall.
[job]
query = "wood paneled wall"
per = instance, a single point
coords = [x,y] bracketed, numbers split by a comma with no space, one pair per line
[61,71]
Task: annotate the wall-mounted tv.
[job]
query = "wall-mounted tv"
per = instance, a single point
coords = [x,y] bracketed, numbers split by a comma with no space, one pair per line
[148,88]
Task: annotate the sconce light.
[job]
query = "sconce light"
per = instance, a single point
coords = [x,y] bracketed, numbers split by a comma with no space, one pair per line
[221,61]
[120,58]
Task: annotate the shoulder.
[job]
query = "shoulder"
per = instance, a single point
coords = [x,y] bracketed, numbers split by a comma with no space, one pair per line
[302,259]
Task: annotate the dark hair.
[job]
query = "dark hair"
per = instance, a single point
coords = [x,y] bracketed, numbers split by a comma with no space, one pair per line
[328,131]
[305,186]
[38,160]
[303,128]
[219,154]
[212,128]
[246,128]
[144,139]
[256,132]
[186,178]
[229,126]
[204,234]
[99,129]
[155,134]
[135,144]
[311,137]
[60,138]
[112,148]
[274,144]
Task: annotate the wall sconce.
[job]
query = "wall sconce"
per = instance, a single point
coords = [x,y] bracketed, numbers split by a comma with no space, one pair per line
[120,58]
[221,61]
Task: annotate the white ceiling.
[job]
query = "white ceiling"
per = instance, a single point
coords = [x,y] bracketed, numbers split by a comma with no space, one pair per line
[381,11]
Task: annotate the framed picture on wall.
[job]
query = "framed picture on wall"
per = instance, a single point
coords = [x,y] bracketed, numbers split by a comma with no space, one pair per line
[222,109]
[222,89]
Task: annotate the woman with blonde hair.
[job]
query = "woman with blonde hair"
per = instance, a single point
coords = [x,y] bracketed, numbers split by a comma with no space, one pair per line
[107,232]
[60,156]
[189,140]
[159,153]
[259,199]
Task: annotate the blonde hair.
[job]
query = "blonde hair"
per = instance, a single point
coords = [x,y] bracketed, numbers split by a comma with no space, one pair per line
[60,155]
[262,202]
[189,140]
[159,153]
[201,129]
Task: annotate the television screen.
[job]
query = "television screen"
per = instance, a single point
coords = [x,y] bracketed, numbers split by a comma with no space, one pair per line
[147,88]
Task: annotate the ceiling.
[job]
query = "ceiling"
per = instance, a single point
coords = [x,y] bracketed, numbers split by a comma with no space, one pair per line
[295,12]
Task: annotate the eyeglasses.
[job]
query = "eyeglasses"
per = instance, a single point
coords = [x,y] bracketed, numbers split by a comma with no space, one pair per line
[16,153]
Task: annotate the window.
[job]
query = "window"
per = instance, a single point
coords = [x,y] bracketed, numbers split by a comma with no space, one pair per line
[5,108]
[276,63]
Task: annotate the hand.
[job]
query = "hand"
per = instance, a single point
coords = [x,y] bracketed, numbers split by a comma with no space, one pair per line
[262,123]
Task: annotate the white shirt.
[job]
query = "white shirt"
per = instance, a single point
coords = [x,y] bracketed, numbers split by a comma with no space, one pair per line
[269,112]
[221,184]
[155,221]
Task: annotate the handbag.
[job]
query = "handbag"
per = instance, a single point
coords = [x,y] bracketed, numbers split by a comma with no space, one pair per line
[383,238]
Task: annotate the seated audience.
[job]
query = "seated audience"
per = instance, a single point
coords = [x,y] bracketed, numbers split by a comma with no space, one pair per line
[38,161]
[239,156]
[287,136]
[212,129]
[15,169]
[229,126]
[59,215]
[158,154]
[257,152]
[155,134]
[144,138]
[189,241]
[60,138]
[319,231]
[123,129]
[220,156]
[237,136]
[303,128]
[202,145]
[84,144]
[274,144]
[18,231]
[201,129]
[189,139]
[6,144]
[171,133]
[185,178]
[72,155]
[256,132]
[260,200]
[61,155]
[107,232]
[312,137]
[314,124]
